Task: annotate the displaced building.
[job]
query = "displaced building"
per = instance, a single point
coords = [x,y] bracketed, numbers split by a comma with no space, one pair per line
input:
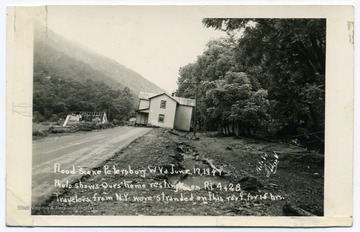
[163,110]
[78,116]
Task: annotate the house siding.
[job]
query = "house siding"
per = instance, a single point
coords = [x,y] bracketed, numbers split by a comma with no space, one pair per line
[144,104]
[141,119]
[169,111]
[183,117]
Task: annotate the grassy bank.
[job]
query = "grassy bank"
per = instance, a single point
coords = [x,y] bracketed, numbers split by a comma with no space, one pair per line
[45,129]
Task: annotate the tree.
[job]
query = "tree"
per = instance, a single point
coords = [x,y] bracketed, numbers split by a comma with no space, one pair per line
[288,58]
[55,96]
[210,67]
[283,93]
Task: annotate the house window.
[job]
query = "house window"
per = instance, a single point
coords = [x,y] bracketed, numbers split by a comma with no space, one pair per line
[161,118]
[163,104]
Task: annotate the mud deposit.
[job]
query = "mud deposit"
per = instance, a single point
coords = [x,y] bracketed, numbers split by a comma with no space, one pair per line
[171,173]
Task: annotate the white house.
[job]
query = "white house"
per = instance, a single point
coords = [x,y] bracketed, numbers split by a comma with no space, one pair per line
[163,110]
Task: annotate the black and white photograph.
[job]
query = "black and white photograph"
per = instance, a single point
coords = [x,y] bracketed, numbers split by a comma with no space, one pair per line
[177,111]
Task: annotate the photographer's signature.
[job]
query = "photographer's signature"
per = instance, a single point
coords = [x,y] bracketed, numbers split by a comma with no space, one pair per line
[268,164]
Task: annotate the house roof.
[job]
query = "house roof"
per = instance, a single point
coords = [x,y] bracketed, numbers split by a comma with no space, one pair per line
[185,101]
[146,110]
[158,95]
[180,100]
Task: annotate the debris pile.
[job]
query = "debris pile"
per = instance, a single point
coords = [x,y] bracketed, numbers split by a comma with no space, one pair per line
[186,135]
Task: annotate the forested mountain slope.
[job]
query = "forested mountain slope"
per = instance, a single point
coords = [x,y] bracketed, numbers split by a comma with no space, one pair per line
[58,55]
[67,77]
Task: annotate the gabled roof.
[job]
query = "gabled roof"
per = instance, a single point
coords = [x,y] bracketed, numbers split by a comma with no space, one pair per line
[158,95]
[185,101]
[180,100]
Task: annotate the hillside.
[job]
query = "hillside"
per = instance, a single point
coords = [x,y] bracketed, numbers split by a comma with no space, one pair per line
[55,55]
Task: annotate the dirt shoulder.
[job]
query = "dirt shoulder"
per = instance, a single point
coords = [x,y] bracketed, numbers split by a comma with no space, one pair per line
[165,173]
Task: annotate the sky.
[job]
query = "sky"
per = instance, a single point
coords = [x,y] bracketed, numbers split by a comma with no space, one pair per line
[155,42]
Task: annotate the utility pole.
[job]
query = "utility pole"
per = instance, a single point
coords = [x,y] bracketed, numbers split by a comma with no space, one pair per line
[196,102]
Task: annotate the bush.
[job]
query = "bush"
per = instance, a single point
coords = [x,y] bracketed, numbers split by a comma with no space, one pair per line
[54,118]
[117,122]
[58,130]
[59,122]
[37,117]
[106,125]
[40,133]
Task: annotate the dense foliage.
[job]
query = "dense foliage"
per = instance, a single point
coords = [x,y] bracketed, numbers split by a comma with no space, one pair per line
[269,82]
[55,96]
[69,77]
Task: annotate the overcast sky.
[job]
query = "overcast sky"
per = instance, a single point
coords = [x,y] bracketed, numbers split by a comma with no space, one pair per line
[153,42]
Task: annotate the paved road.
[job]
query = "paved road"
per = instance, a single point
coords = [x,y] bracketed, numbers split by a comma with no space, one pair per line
[86,150]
